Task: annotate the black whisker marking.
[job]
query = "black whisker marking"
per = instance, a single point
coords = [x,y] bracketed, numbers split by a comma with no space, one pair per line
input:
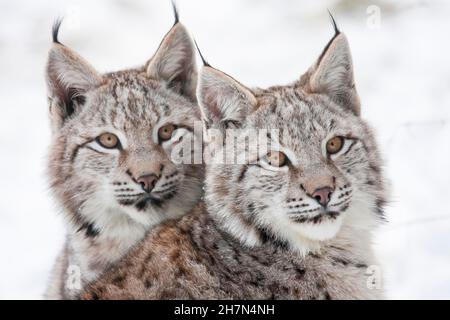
[339,203]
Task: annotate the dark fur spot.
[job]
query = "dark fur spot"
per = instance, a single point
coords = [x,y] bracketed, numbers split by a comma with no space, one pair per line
[141,205]
[242,174]
[341,261]
[314,255]
[379,207]
[181,272]
[374,168]
[92,296]
[118,280]
[266,236]
[169,195]
[156,202]
[175,255]
[300,272]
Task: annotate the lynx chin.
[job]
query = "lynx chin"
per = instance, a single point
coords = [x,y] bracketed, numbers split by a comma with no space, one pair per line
[110,169]
[295,224]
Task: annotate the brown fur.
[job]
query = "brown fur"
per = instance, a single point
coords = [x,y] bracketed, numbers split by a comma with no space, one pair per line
[106,207]
[261,233]
[193,258]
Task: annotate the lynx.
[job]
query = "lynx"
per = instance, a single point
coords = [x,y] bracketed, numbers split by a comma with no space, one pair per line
[296,223]
[110,162]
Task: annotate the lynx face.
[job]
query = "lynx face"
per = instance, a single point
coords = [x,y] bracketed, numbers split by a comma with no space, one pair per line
[321,172]
[114,134]
[303,185]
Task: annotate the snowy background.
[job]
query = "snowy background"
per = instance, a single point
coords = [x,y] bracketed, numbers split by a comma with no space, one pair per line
[403,76]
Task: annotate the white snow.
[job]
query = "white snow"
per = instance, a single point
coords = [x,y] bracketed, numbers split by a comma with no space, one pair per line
[403,77]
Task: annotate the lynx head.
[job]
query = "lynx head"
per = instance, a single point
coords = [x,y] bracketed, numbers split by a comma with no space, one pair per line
[321,172]
[113,133]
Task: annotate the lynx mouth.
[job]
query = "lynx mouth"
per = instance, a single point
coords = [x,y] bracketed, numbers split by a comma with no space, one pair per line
[154,200]
[318,218]
[324,215]
[143,200]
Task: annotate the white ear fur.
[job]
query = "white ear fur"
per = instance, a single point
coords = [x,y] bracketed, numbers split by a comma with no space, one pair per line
[174,62]
[333,74]
[68,77]
[222,98]
[68,69]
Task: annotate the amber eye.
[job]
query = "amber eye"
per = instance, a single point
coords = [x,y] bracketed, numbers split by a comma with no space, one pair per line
[108,140]
[276,158]
[334,145]
[165,132]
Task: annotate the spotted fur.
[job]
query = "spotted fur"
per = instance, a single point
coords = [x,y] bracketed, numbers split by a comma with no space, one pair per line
[99,191]
[261,233]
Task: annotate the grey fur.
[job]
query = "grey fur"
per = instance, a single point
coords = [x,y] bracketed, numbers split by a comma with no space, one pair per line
[106,209]
[260,233]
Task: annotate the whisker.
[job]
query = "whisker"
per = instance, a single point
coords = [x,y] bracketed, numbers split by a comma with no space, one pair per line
[341,202]
[129,195]
[302,205]
[166,190]
[304,211]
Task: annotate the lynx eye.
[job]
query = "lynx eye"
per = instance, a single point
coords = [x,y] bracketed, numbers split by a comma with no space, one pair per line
[334,145]
[108,140]
[165,132]
[276,158]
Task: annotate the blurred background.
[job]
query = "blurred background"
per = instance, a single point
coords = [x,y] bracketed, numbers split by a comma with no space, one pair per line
[400,51]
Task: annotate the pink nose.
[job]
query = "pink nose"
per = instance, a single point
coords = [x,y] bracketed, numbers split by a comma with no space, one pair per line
[322,195]
[148,182]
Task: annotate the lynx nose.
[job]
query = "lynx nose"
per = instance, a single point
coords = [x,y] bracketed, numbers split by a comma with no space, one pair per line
[147,181]
[322,195]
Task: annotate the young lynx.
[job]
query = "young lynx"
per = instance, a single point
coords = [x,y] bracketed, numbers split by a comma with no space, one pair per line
[110,161]
[295,223]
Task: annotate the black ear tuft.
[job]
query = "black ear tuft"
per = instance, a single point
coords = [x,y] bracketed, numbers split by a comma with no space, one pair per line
[223,100]
[332,74]
[55,30]
[205,63]
[175,12]
[336,29]
[336,33]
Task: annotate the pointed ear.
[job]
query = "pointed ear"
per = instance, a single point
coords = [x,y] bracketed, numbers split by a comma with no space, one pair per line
[69,77]
[332,74]
[174,62]
[222,99]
